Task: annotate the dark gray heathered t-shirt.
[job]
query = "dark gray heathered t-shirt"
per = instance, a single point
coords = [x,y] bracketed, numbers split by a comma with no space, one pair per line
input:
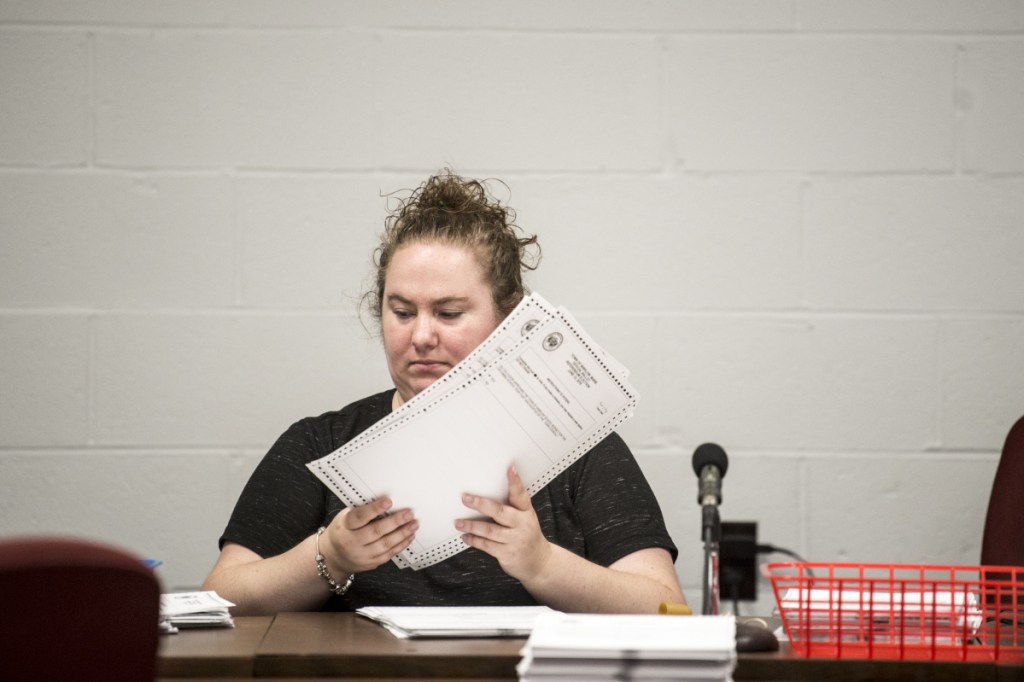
[601,508]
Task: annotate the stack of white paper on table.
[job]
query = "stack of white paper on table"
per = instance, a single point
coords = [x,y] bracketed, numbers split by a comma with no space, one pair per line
[584,647]
[910,616]
[194,610]
[538,393]
[455,621]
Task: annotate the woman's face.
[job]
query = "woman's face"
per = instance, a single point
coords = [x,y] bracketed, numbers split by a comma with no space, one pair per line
[437,308]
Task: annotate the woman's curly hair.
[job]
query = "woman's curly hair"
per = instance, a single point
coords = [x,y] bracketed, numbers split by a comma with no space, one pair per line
[451,209]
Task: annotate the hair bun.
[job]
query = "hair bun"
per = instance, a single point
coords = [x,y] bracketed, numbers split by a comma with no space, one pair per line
[452,209]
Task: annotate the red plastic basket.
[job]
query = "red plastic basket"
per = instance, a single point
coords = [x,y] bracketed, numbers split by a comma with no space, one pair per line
[956,613]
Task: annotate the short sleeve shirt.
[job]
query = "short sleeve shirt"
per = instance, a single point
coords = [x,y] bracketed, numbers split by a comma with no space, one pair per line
[601,508]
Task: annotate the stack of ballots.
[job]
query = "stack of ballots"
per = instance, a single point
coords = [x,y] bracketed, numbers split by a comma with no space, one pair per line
[584,647]
[538,393]
[194,610]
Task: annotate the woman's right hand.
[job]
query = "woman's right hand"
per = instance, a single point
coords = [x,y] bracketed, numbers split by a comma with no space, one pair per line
[362,538]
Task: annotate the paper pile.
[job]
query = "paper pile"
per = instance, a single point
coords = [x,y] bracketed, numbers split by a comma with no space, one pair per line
[583,647]
[194,610]
[455,621]
[912,616]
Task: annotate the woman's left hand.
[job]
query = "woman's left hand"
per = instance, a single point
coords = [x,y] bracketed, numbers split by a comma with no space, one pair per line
[512,535]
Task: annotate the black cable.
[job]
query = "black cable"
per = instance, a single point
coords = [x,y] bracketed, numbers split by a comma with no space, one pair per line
[772,549]
[729,582]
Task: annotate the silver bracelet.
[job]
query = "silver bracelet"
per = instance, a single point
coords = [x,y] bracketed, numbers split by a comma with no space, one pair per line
[321,569]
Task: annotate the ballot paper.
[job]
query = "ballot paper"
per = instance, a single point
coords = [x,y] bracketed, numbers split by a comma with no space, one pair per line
[538,393]
[912,615]
[629,647]
[194,610]
[455,621]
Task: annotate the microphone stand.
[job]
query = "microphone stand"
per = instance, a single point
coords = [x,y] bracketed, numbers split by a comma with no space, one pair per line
[749,637]
[712,532]
[710,463]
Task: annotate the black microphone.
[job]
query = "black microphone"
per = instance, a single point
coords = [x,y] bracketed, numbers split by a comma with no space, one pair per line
[710,464]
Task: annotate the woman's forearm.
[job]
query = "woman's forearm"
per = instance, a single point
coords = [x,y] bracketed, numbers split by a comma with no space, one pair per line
[258,586]
[638,583]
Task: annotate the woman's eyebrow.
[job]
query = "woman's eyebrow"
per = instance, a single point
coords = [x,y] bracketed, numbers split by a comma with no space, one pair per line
[447,300]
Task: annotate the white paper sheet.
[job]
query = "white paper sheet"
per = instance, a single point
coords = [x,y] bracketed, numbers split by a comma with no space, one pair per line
[194,610]
[588,635]
[629,647]
[537,393]
[456,621]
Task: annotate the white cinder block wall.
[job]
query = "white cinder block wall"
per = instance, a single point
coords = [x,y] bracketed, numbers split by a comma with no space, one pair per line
[799,224]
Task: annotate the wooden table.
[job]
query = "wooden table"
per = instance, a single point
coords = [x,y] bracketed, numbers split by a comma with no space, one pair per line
[213,652]
[325,645]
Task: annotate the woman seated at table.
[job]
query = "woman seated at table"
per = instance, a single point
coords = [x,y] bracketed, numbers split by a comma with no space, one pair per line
[449,269]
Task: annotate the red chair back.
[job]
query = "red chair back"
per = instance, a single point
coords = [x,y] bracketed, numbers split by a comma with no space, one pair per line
[72,609]
[1003,541]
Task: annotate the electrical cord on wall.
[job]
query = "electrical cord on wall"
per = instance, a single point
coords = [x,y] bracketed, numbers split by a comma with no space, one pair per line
[772,549]
[731,582]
